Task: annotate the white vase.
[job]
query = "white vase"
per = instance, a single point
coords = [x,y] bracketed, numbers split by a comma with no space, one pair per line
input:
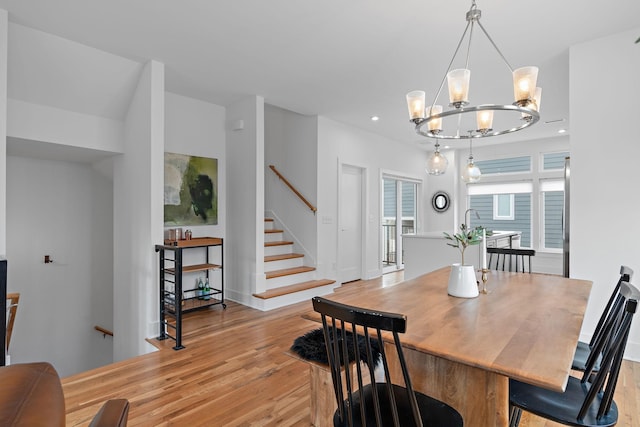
[462,281]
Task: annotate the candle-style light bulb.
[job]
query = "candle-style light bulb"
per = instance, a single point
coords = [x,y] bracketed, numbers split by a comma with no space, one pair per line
[524,84]
[484,121]
[415,103]
[458,82]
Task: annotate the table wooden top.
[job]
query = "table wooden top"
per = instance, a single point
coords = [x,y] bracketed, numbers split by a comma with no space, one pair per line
[525,328]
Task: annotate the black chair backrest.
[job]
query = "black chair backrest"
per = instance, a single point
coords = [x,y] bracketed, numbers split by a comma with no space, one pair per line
[616,332]
[337,321]
[507,259]
[614,305]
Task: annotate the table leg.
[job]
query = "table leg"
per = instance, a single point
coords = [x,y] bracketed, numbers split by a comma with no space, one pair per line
[323,399]
[481,397]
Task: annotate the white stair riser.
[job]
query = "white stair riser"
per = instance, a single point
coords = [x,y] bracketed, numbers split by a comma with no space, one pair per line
[268,225]
[284,263]
[273,237]
[292,279]
[278,250]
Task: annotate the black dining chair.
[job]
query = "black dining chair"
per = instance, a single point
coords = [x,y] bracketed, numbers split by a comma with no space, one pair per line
[508,259]
[613,309]
[363,400]
[583,403]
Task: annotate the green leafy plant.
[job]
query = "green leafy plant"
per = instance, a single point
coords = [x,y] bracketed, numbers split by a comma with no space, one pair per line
[466,237]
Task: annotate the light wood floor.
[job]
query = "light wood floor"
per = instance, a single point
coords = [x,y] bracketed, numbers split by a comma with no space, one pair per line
[234,372]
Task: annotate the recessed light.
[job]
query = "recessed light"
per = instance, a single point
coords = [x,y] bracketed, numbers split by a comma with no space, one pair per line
[562,131]
[375,118]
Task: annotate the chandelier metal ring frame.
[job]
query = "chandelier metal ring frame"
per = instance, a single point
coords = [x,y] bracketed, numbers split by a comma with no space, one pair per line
[532,116]
[428,121]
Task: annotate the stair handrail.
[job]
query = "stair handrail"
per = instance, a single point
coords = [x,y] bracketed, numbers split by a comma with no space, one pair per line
[292,188]
[103,331]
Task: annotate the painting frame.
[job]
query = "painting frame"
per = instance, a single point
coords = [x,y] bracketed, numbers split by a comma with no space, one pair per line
[190,190]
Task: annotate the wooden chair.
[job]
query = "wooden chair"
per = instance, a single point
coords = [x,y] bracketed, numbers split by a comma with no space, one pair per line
[583,403]
[377,403]
[12,309]
[507,259]
[613,310]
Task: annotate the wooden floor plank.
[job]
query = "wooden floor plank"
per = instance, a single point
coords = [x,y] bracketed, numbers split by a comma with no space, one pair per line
[234,372]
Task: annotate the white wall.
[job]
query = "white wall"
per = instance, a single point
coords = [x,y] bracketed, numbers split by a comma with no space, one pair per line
[197,128]
[138,217]
[244,261]
[442,221]
[290,145]
[604,160]
[54,125]
[61,209]
[342,144]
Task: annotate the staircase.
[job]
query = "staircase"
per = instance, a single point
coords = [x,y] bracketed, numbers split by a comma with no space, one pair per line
[288,280]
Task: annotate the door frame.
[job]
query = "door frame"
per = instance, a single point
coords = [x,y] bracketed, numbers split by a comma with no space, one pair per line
[363,215]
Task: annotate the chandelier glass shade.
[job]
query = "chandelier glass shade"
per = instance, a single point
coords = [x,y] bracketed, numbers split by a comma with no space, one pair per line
[437,163]
[471,173]
[432,121]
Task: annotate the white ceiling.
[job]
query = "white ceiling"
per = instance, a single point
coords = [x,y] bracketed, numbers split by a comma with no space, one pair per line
[347,60]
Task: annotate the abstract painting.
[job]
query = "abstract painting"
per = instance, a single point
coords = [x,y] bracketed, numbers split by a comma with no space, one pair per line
[190,190]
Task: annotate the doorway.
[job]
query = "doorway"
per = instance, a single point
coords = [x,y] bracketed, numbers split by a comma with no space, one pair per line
[350,223]
[399,216]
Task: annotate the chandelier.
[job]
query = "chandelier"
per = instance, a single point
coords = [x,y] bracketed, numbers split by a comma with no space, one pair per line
[433,121]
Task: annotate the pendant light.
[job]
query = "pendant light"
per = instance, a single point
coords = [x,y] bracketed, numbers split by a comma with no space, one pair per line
[471,173]
[437,163]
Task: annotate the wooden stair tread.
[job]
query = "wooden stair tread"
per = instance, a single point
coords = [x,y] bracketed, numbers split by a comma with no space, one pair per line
[288,271]
[273,231]
[268,220]
[285,290]
[282,257]
[278,243]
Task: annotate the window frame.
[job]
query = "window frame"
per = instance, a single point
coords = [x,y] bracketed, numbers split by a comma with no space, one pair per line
[497,206]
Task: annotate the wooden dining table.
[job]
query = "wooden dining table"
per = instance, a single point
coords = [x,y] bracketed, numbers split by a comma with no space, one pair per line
[464,350]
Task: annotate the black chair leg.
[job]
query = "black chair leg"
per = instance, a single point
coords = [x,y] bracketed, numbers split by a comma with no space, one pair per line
[514,416]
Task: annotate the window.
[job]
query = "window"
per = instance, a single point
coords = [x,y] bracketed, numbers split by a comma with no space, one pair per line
[552,201]
[503,207]
[502,166]
[399,215]
[554,161]
[516,197]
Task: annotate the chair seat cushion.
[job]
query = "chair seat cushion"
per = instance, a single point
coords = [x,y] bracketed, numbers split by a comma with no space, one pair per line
[31,395]
[560,407]
[311,346]
[433,412]
[581,355]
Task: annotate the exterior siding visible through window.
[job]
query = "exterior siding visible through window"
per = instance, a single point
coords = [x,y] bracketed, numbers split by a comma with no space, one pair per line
[554,161]
[511,165]
[408,199]
[553,208]
[521,222]
[389,198]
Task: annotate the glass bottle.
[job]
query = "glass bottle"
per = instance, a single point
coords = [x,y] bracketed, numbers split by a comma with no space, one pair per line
[207,289]
[200,291]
